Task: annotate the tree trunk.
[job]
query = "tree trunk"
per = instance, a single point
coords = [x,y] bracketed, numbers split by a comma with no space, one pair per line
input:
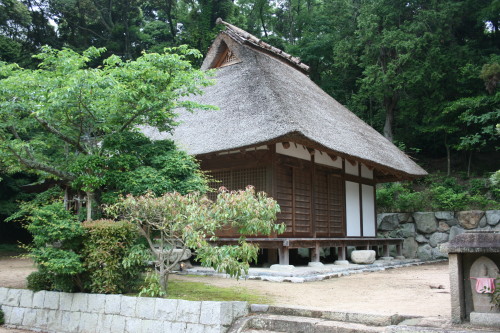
[90,198]
[66,198]
[164,281]
[261,15]
[448,156]
[390,104]
[469,164]
[79,204]
[163,265]
[168,11]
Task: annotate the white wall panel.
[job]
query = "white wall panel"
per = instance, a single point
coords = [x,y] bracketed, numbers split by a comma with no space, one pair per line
[368,211]
[295,150]
[325,159]
[353,218]
[365,172]
[351,169]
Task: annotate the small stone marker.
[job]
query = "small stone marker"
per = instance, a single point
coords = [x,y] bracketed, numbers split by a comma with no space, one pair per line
[363,256]
[483,268]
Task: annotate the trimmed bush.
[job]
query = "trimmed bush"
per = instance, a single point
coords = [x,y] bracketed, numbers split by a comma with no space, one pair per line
[113,259]
[39,281]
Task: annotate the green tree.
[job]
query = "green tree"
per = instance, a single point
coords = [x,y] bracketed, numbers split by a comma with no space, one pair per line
[70,121]
[172,223]
[112,24]
[477,116]
[14,21]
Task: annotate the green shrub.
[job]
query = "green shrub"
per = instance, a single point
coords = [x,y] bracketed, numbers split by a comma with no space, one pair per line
[151,286]
[437,192]
[410,201]
[113,258]
[57,237]
[495,185]
[478,186]
[39,281]
[398,197]
[2,319]
[387,195]
[481,202]
[451,183]
[444,198]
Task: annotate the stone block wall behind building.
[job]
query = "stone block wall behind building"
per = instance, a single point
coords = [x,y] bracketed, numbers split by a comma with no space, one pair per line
[426,234]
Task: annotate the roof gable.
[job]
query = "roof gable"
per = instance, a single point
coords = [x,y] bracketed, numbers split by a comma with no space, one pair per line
[240,37]
[221,55]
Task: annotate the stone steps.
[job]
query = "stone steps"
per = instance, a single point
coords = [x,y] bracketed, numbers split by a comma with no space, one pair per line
[349,317]
[279,319]
[294,324]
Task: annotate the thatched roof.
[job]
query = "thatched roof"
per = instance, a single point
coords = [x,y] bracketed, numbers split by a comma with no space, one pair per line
[265,97]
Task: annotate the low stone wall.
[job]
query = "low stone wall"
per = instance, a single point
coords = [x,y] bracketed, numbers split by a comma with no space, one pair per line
[427,234]
[59,312]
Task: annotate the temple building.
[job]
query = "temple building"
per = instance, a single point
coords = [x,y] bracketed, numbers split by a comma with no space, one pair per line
[279,131]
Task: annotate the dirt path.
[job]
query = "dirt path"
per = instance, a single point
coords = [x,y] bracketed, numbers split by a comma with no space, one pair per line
[13,271]
[410,291]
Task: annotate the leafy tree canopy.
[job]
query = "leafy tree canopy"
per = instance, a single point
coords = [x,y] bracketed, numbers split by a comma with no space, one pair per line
[78,119]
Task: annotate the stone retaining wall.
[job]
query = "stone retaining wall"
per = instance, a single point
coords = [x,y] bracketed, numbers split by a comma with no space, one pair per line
[427,234]
[50,311]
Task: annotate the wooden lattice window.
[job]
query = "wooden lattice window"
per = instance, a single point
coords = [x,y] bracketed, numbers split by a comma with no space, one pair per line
[238,179]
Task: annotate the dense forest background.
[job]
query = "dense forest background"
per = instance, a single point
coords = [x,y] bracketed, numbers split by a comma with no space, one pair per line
[424,73]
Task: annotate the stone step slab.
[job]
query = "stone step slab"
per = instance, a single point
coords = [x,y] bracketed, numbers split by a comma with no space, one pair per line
[423,329]
[293,324]
[350,317]
[257,331]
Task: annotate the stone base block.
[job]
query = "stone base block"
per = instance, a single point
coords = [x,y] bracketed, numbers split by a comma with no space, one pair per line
[278,267]
[315,264]
[363,257]
[400,258]
[341,262]
[485,319]
[386,258]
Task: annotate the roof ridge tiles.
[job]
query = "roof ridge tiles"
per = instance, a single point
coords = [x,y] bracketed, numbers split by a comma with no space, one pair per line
[248,37]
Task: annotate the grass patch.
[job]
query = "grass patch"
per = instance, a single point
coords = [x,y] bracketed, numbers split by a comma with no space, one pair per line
[199,291]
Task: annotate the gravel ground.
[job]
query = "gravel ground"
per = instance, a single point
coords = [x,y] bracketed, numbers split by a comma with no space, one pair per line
[418,290]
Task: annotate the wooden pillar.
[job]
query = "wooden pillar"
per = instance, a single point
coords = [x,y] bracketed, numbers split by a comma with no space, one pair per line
[272,256]
[342,252]
[386,250]
[315,253]
[399,249]
[284,254]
